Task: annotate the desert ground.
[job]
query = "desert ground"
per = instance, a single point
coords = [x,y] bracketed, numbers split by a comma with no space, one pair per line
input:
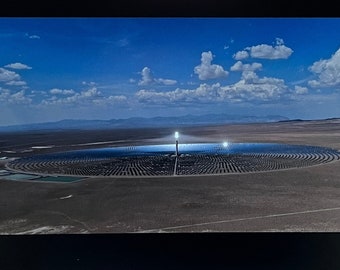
[294,200]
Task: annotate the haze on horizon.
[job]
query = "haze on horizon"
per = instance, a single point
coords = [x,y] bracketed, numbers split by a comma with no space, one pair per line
[110,68]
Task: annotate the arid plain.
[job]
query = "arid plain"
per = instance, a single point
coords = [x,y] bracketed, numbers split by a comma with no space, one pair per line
[293,200]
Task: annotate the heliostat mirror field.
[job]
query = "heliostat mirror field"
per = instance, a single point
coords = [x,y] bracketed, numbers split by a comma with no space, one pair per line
[162,160]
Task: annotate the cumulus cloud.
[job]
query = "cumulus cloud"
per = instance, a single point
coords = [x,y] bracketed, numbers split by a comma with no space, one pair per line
[249,76]
[206,70]
[239,66]
[327,71]
[91,96]
[240,55]
[7,75]
[18,66]
[148,79]
[14,98]
[202,93]
[264,51]
[253,88]
[301,90]
[56,91]
[268,52]
[119,98]
[20,98]
[85,96]
[111,100]
[4,93]
[249,88]
[248,71]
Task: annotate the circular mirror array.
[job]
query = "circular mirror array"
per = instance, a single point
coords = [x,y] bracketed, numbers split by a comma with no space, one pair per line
[162,160]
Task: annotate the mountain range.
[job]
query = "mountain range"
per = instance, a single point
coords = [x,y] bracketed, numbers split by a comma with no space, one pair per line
[140,122]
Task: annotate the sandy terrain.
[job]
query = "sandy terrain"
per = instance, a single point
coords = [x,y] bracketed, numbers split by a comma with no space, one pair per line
[295,200]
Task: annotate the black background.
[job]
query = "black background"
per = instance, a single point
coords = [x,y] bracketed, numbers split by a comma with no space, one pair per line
[170,8]
[171,250]
[177,251]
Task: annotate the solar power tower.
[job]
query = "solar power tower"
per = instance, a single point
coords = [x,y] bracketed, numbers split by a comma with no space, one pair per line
[176,137]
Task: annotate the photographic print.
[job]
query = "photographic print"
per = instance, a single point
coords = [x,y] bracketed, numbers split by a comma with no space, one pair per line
[169,125]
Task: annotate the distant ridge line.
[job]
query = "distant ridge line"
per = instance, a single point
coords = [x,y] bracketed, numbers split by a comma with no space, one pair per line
[309,120]
[156,122]
[140,122]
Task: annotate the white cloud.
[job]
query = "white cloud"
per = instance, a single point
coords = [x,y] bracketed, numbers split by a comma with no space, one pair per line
[36,92]
[239,66]
[120,98]
[328,71]
[314,83]
[165,81]
[17,98]
[301,90]
[4,94]
[111,100]
[279,41]
[18,66]
[93,92]
[56,91]
[32,36]
[88,83]
[249,88]
[240,55]
[7,75]
[256,89]
[86,96]
[148,79]
[264,51]
[206,70]
[268,52]
[203,93]
[248,74]
[16,83]
[190,83]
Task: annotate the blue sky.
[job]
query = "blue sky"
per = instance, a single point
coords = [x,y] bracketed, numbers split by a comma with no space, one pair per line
[104,68]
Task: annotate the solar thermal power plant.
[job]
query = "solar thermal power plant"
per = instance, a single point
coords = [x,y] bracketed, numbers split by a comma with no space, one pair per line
[177,160]
[235,178]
